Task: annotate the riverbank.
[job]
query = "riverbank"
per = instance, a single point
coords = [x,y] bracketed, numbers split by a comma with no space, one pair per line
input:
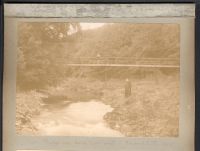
[31,104]
[28,106]
[151,110]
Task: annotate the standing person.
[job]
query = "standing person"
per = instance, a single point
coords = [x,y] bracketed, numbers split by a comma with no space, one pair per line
[98,58]
[127,88]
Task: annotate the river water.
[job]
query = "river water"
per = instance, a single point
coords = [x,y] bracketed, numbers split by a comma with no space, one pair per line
[76,119]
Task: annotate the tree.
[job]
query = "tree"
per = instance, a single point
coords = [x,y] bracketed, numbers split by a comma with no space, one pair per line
[40,49]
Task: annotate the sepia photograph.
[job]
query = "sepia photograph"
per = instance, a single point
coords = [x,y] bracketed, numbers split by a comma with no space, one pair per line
[98,79]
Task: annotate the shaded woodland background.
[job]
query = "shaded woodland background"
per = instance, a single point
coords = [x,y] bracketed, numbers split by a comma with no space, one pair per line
[44,49]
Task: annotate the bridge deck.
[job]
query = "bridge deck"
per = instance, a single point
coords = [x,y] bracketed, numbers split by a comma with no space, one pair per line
[124,65]
[123,62]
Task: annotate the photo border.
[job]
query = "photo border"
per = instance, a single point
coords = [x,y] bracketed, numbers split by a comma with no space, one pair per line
[100,143]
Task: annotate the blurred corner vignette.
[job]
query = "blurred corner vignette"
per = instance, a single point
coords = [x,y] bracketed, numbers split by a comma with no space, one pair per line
[98,79]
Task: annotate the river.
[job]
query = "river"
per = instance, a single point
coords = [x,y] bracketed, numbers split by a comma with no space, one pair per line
[76,119]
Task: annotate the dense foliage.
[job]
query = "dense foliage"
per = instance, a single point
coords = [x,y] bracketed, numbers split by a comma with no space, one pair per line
[45,48]
[42,49]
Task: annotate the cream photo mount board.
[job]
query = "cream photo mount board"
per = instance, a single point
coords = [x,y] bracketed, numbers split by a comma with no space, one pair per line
[181,14]
[100,1]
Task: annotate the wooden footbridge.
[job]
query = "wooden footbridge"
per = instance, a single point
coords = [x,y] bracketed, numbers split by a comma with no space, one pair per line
[124,62]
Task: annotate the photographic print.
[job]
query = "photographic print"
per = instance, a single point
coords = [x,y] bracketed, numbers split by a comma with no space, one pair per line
[98,79]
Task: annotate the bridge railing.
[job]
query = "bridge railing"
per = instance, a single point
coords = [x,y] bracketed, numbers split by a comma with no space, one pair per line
[123,60]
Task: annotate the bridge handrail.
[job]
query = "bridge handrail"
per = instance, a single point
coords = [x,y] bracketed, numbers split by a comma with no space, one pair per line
[123,60]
